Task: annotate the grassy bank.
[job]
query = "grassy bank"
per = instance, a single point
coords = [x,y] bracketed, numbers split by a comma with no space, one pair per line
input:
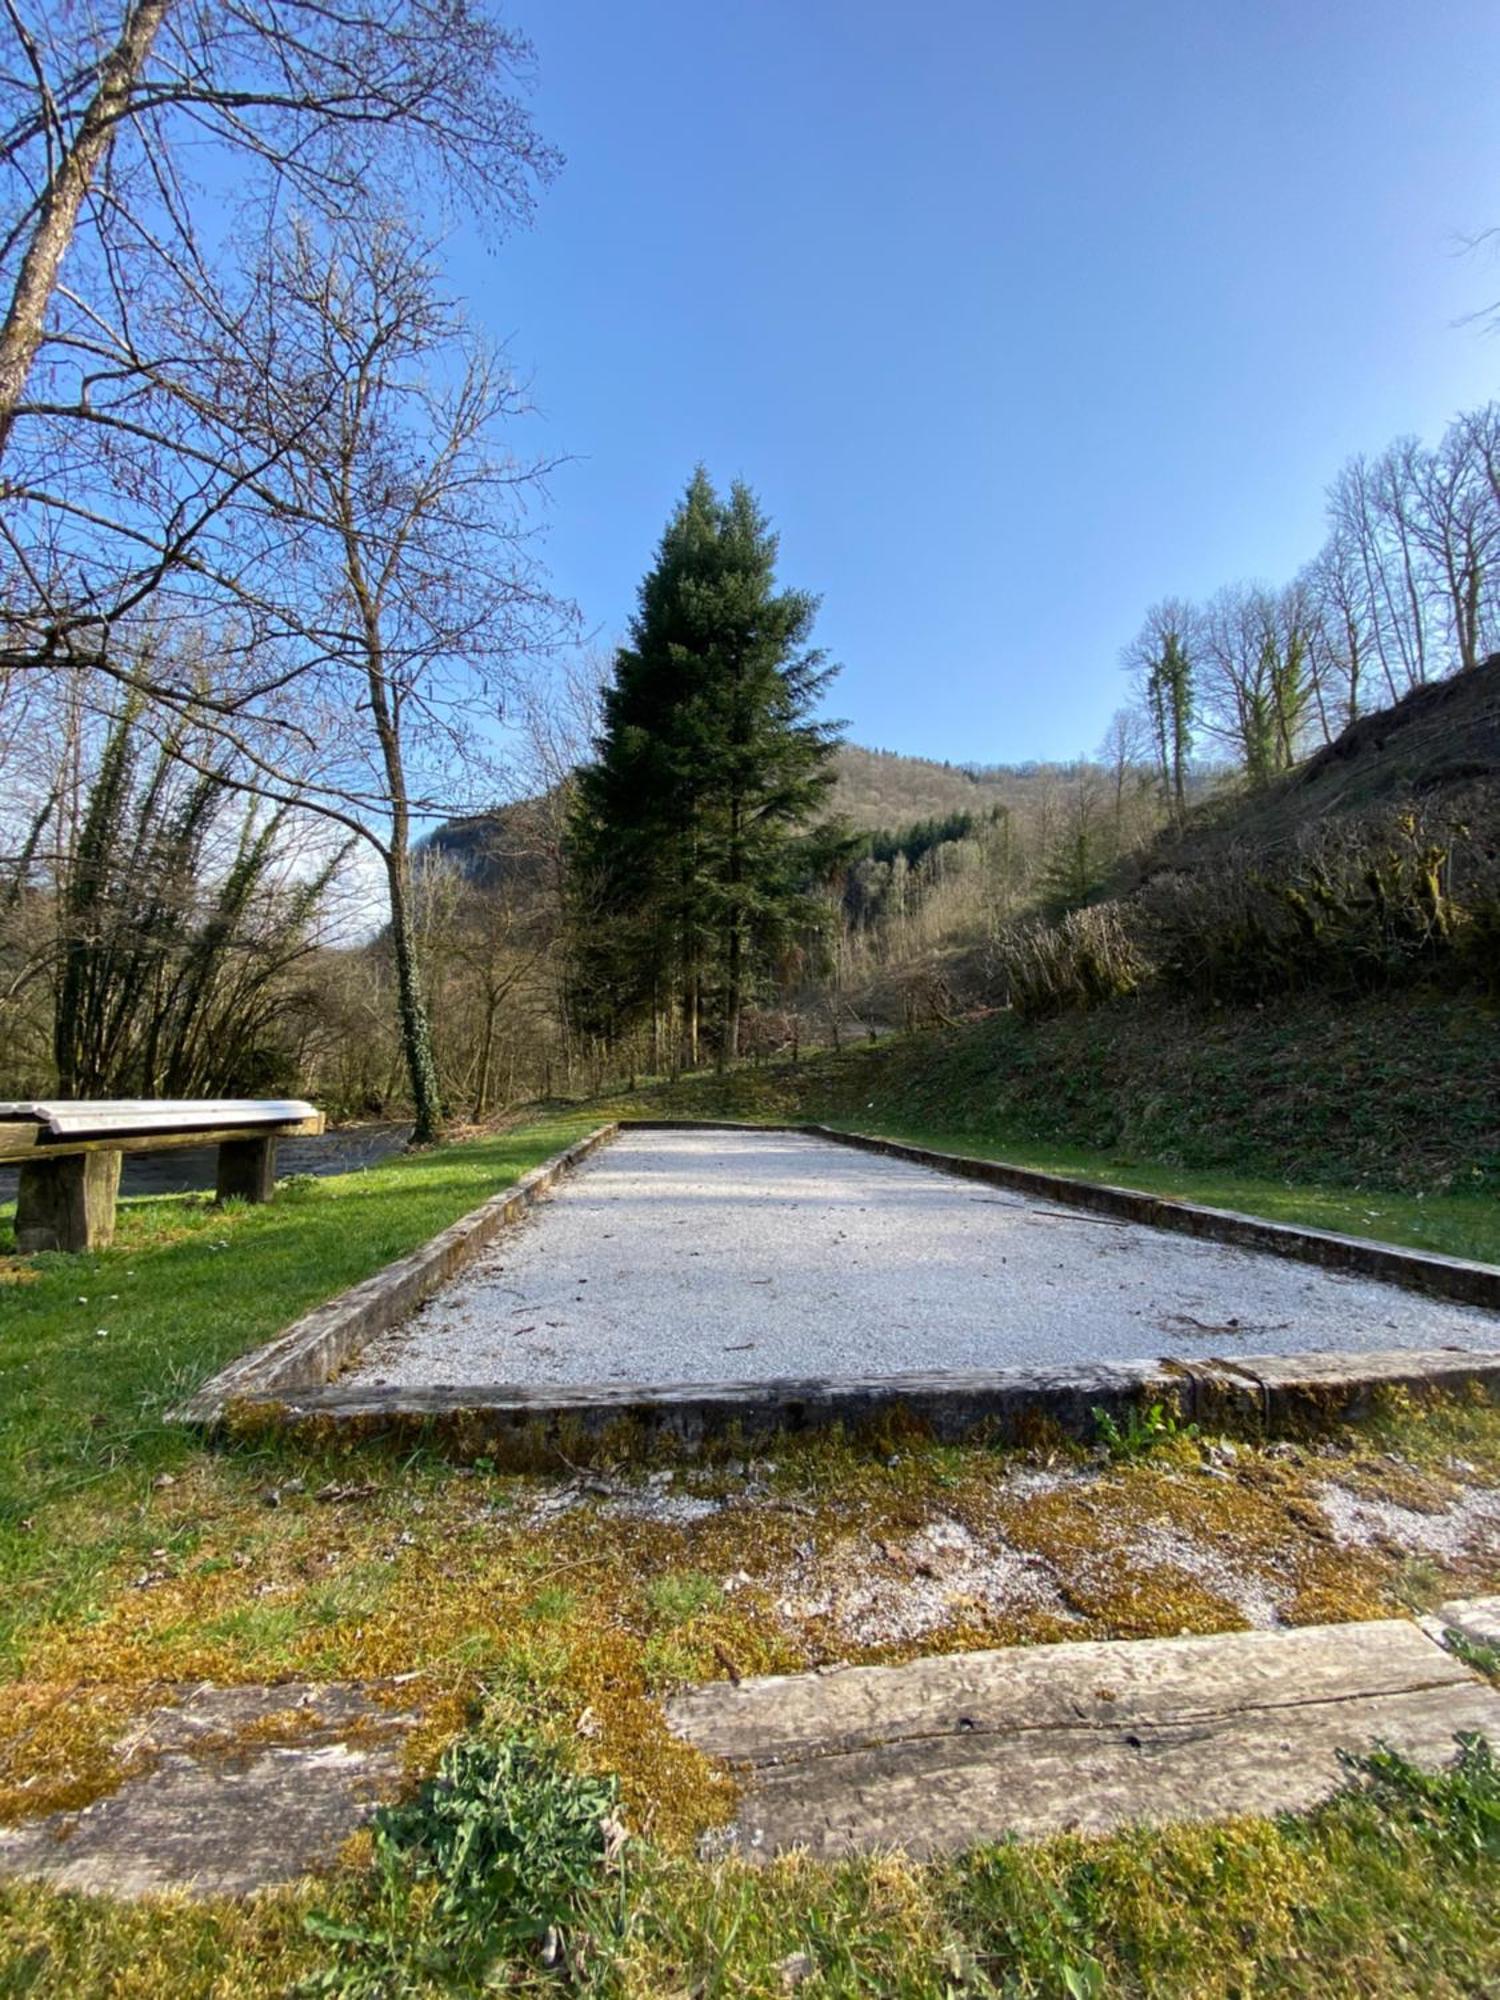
[544,1619]
[1380,1119]
[95,1349]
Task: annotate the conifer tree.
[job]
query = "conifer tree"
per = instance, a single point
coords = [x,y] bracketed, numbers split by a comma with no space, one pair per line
[691,856]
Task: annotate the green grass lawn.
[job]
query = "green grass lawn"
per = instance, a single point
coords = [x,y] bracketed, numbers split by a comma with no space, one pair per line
[95,1349]
[1455,1225]
[133,1558]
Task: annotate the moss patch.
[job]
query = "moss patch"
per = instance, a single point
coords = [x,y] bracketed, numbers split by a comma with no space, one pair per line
[577,1603]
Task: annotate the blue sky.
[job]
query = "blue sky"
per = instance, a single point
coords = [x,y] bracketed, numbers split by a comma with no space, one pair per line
[1016,316]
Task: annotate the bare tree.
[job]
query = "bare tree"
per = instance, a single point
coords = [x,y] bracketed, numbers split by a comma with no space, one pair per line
[1371,505]
[1127,754]
[1256,679]
[396,590]
[1162,661]
[127,322]
[1455,523]
[1341,629]
[344,110]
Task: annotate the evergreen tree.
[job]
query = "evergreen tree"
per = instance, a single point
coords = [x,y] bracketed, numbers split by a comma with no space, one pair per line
[691,860]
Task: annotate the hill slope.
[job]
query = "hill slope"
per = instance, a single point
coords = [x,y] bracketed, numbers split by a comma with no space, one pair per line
[1440,742]
[875,791]
[1351,1074]
[880,790]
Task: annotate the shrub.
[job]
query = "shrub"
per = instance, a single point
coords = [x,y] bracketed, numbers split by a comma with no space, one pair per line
[1353,905]
[1086,957]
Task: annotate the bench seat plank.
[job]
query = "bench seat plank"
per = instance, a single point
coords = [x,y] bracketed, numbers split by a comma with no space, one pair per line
[41,1126]
[70,1149]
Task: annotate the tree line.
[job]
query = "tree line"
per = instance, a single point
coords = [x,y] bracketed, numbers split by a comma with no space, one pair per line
[1405,589]
[265,556]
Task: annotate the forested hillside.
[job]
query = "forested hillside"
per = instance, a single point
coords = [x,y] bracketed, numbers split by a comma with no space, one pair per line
[1295,796]
[880,789]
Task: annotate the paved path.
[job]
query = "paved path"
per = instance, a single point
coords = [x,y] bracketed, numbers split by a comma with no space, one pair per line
[711,1256]
[960,1748]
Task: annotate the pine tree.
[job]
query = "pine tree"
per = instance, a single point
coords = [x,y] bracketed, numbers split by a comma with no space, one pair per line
[691,859]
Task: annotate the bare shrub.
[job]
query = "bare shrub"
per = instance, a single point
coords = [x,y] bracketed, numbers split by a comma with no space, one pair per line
[1086,957]
[1353,905]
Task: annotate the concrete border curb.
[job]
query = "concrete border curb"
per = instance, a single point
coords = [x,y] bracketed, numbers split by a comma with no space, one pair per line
[530,1428]
[289,1382]
[313,1349]
[1426,1271]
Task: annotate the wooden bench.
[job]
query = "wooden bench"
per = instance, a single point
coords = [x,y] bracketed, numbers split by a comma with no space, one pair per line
[70,1152]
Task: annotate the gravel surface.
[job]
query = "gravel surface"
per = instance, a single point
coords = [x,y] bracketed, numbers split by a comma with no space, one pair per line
[731,1256]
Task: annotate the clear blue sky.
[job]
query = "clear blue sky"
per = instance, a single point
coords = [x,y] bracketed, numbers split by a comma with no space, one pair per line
[1017,316]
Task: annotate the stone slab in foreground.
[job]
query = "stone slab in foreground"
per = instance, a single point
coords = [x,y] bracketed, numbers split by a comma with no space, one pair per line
[1476,1619]
[245,1787]
[960,1749]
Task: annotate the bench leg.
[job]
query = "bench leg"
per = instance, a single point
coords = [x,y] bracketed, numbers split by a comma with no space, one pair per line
[247,1169]
[67,1204]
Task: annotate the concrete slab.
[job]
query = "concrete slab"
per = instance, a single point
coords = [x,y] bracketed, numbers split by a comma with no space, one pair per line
[243,1787]
[710,1256]
[1476,1619]
[959,1749]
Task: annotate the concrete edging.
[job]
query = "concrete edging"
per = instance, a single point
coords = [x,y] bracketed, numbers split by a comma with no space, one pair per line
[290,1383]
[313,1349]
[529,1428]
[1457,1278]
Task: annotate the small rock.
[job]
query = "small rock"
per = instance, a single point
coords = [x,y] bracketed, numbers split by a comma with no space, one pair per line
[795,1969]
[162,1481]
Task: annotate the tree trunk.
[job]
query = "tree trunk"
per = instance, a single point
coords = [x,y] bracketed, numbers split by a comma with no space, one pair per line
[486,1058]
[729,1046]
[690,1019]
[57,208]
[416,1031]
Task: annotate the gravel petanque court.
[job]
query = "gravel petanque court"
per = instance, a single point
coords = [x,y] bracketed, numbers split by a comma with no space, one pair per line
[713,1256]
